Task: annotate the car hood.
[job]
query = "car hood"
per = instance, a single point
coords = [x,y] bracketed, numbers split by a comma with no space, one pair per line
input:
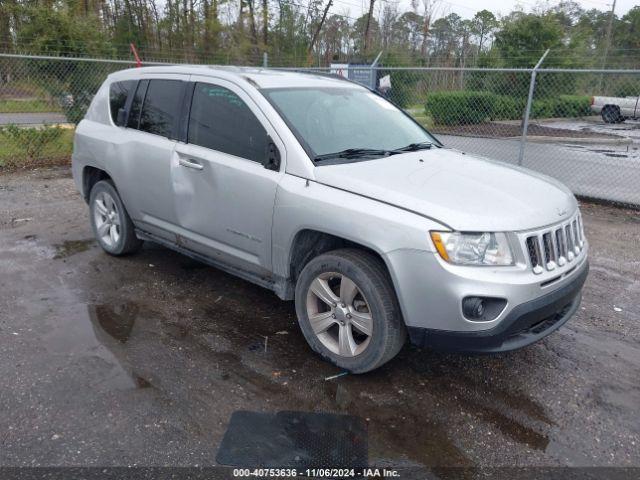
[462,191]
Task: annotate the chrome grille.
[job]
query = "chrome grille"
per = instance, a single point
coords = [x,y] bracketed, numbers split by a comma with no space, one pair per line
[555,246]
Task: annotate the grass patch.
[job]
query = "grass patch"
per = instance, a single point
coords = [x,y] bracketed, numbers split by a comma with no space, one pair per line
[27,105]
[424,120]
[415,107]
[32,147]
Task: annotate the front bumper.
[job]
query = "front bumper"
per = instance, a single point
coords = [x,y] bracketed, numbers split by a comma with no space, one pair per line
[525,324]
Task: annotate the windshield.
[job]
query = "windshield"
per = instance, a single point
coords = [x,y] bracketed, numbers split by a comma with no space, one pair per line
[331,120]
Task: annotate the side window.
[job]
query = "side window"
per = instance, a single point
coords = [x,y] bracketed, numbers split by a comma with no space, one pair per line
[220,120]
[162,106]
[118,93]
[136,104]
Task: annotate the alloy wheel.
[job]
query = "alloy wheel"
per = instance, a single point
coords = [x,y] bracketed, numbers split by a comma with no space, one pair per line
[339,314]
[107,219]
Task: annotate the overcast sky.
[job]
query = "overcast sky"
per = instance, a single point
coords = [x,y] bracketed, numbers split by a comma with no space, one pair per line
[468,8]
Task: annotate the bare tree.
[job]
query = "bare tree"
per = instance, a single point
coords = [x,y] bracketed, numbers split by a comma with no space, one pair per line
[367,28]
[429,7]
[317,32]
[252,23]
[265,22]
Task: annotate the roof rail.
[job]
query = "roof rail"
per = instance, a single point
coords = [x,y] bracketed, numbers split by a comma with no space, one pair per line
[345,79]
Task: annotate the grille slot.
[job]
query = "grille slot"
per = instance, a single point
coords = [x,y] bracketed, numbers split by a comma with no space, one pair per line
[549,251]
[561,246]
[553,248]
[570,244]
[533,247]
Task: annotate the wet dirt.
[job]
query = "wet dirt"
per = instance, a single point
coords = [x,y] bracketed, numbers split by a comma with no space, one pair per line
[70,247]
[142,360]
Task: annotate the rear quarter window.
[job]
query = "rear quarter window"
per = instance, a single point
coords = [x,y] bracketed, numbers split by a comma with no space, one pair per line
[118,94]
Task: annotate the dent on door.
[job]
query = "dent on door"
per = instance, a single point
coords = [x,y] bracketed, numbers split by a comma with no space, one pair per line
[223,211]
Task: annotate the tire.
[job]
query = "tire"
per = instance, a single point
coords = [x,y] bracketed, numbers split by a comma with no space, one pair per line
[110,221]
[360,280]
[611,114]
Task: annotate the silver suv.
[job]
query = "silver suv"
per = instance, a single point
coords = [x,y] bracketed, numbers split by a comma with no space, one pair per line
[326,193]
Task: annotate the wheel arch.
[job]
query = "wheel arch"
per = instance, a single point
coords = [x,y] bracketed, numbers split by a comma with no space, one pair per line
[308,243]
[90,176]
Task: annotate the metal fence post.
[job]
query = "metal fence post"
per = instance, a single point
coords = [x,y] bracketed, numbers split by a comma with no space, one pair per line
[527,110]
[265,59]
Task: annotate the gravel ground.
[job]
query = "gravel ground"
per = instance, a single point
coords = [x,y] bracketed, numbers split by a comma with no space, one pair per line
[142,360]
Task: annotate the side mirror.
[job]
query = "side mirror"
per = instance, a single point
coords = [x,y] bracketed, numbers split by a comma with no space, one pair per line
[272,162]
[121,117]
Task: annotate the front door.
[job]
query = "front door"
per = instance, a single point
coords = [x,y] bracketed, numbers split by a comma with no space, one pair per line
[224,196]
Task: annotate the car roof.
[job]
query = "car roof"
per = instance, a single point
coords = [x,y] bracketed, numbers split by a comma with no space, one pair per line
[258,77]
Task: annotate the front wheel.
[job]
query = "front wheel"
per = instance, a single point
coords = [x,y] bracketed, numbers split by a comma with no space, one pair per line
[348,310]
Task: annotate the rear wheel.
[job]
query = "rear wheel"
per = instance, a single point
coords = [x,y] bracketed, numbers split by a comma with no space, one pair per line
[611,114]
[110,221]
[348,311]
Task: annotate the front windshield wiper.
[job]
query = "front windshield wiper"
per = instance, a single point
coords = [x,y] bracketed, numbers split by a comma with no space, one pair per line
[412,147]
[351,153]
[365,152]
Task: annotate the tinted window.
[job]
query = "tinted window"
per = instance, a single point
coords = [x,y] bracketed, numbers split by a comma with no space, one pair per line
[220,120]
[118,93]
[136,105]
[162,105]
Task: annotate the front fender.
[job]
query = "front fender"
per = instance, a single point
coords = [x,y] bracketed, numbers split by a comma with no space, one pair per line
[307,205]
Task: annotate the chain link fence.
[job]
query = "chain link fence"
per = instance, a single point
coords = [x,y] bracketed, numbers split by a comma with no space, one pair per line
[555,131]
[540,119]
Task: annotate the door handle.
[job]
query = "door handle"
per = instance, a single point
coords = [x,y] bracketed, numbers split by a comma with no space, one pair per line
[190,163]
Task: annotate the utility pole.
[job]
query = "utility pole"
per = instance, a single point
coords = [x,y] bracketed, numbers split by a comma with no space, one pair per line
[607,42]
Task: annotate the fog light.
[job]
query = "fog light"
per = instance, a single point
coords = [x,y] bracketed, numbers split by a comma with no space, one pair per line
[473,308]
[482,309]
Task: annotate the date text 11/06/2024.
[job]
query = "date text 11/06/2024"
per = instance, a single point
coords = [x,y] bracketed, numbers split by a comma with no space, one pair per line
[317,472]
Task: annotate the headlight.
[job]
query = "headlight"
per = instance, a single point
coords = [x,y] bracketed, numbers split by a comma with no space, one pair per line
[473,248]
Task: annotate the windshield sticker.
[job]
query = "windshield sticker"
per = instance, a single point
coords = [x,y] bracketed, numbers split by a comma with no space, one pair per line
[223,93]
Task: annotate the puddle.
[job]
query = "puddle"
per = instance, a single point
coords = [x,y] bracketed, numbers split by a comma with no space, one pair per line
[115,320]
[71,247]
[84,334]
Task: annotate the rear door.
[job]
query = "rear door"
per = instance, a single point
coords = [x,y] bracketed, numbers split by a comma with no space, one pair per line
[224,195]
[153,125]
